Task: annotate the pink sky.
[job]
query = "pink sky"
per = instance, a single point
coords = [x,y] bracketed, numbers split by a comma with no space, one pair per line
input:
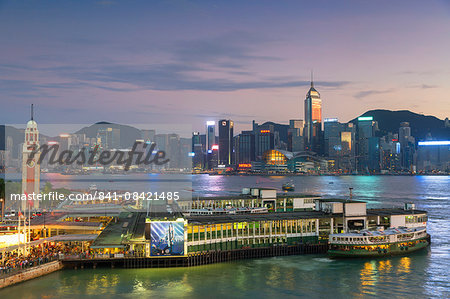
[193,61]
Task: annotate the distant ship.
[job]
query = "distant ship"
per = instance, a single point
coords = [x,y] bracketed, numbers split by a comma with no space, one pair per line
[288,186]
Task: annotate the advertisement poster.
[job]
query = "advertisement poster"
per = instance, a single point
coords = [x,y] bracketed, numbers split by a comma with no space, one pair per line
[167,238]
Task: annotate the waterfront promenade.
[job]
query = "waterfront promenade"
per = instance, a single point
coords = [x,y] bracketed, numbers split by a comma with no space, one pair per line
[22,275]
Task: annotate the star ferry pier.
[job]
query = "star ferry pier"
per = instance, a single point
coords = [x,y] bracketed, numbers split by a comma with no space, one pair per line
[257,223]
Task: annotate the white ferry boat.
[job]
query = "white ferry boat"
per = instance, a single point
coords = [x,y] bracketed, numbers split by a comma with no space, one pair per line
[380,242]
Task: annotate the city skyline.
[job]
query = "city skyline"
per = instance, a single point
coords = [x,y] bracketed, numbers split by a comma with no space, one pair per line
[96,64]
[142,142]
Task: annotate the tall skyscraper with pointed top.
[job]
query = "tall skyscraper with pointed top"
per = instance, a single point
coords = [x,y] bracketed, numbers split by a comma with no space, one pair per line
[313,120]
[30,168]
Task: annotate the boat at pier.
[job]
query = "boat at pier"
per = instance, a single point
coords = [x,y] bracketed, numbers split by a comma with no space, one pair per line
[288,187]
[380,242]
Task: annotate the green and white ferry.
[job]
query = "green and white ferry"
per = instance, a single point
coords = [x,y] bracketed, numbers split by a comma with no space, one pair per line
[379,242]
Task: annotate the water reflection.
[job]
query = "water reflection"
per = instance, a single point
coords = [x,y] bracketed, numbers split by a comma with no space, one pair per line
[404,265]
[418,275]
[368,273]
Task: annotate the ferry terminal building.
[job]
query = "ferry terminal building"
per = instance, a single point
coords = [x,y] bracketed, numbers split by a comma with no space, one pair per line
[238,222]
[258,219]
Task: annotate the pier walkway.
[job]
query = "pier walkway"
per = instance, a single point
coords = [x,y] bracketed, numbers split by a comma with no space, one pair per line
[197,259]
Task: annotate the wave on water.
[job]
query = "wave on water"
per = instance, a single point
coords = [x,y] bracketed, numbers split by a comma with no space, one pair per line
[323,260]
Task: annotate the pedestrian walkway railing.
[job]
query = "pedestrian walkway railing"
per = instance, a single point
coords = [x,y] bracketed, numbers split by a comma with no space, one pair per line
[100,256]
[24,265]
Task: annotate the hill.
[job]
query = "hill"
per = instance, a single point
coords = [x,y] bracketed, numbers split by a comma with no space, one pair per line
[128,134]
[421,125]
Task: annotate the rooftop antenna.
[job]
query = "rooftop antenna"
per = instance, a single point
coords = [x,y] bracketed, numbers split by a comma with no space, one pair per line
[312,81]
[31,111]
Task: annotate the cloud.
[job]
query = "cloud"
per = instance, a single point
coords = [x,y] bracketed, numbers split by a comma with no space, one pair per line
[162,77]
[174,77]
[366,93]
[234,48]
[421,73]
[219,63]
[426,86]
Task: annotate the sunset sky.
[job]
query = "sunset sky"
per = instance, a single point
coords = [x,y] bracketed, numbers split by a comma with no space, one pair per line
[192,61]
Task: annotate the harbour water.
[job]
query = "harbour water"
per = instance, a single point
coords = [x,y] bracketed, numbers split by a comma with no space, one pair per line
[420,275]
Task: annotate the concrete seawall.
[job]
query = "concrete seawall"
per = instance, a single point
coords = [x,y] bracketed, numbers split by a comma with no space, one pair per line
[31,273]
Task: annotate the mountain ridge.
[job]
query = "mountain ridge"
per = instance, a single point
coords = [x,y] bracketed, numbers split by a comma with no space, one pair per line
[421,125]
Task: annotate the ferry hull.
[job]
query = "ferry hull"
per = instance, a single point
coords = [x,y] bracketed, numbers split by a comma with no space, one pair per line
[381,250]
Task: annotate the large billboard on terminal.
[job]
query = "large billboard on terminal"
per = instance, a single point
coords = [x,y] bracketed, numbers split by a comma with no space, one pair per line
[167,238]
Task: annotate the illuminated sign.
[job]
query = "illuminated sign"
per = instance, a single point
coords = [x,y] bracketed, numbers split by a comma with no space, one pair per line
[265,131]
[209,151]
[437,142]
[330,120]
[224,123]
[394,140]
[244,165]
[221,166]
[364,118]
[167,238]
[215,147]
[191,154]
[52,142]
[210,123]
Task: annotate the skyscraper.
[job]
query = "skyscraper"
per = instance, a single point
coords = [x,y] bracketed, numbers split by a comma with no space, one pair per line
[367,145]
[332,129]
[313,120]
[109,138]
[210,134]
[265,138]
[295,135]
[195,139]
[407,146]
[246,147]
[347,162]
[226,142]
[197,151]
[148,135]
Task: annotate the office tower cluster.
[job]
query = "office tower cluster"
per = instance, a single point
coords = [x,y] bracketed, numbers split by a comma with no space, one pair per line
[80,152]
[317,145]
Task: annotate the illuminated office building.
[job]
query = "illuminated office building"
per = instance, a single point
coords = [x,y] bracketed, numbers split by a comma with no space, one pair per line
[331,136]
[108,138]
[245,146]
[433,156]
[368,154]
[407,146]
[210,134]
[295,135]
[313,120]
[226,142]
